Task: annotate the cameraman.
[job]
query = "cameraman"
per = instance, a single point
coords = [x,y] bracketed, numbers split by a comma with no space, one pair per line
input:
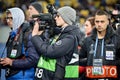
[21,66]
[115,14]
[59,55]
[116,22]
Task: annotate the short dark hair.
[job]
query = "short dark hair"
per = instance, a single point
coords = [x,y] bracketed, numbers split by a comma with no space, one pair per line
[102,12]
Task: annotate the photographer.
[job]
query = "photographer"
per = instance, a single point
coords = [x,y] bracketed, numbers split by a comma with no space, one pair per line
[115,15]
[21,55]
[116,23]
[59,56]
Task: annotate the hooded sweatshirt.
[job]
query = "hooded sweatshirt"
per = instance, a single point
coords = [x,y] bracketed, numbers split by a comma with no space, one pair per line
[18,17]
[24,66]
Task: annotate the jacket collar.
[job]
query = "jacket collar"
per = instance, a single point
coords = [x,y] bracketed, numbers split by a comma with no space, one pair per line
[69,28]
[110,32]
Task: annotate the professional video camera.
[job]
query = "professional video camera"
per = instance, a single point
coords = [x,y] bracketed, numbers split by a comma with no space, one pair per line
[116,17]
[116,22]
[46,19]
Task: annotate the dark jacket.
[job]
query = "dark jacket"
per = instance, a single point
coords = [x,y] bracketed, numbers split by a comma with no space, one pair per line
[63,49]
[66,37]
[30,60]
[24,65]
[110,38]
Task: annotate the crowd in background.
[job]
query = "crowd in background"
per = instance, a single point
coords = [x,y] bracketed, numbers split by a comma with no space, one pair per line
[84,8]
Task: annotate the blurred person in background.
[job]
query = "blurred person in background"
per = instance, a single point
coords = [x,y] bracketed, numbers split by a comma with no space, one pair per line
[116,15]
[89,25]
[34,8]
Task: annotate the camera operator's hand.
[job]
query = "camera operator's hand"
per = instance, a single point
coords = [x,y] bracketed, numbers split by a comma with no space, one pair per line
[6,61]
[36,29]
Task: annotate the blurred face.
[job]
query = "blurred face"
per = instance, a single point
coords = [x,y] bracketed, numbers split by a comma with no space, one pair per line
[9,20]
[60,21]
[88,27]
[32,11]
[101,22]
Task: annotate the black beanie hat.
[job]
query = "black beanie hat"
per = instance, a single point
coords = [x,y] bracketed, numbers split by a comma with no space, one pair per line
[37,6]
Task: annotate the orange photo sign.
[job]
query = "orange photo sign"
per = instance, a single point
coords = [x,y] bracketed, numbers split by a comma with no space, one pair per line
[107,72]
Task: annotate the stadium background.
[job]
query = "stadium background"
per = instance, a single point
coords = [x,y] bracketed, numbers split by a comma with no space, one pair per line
[84,8]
